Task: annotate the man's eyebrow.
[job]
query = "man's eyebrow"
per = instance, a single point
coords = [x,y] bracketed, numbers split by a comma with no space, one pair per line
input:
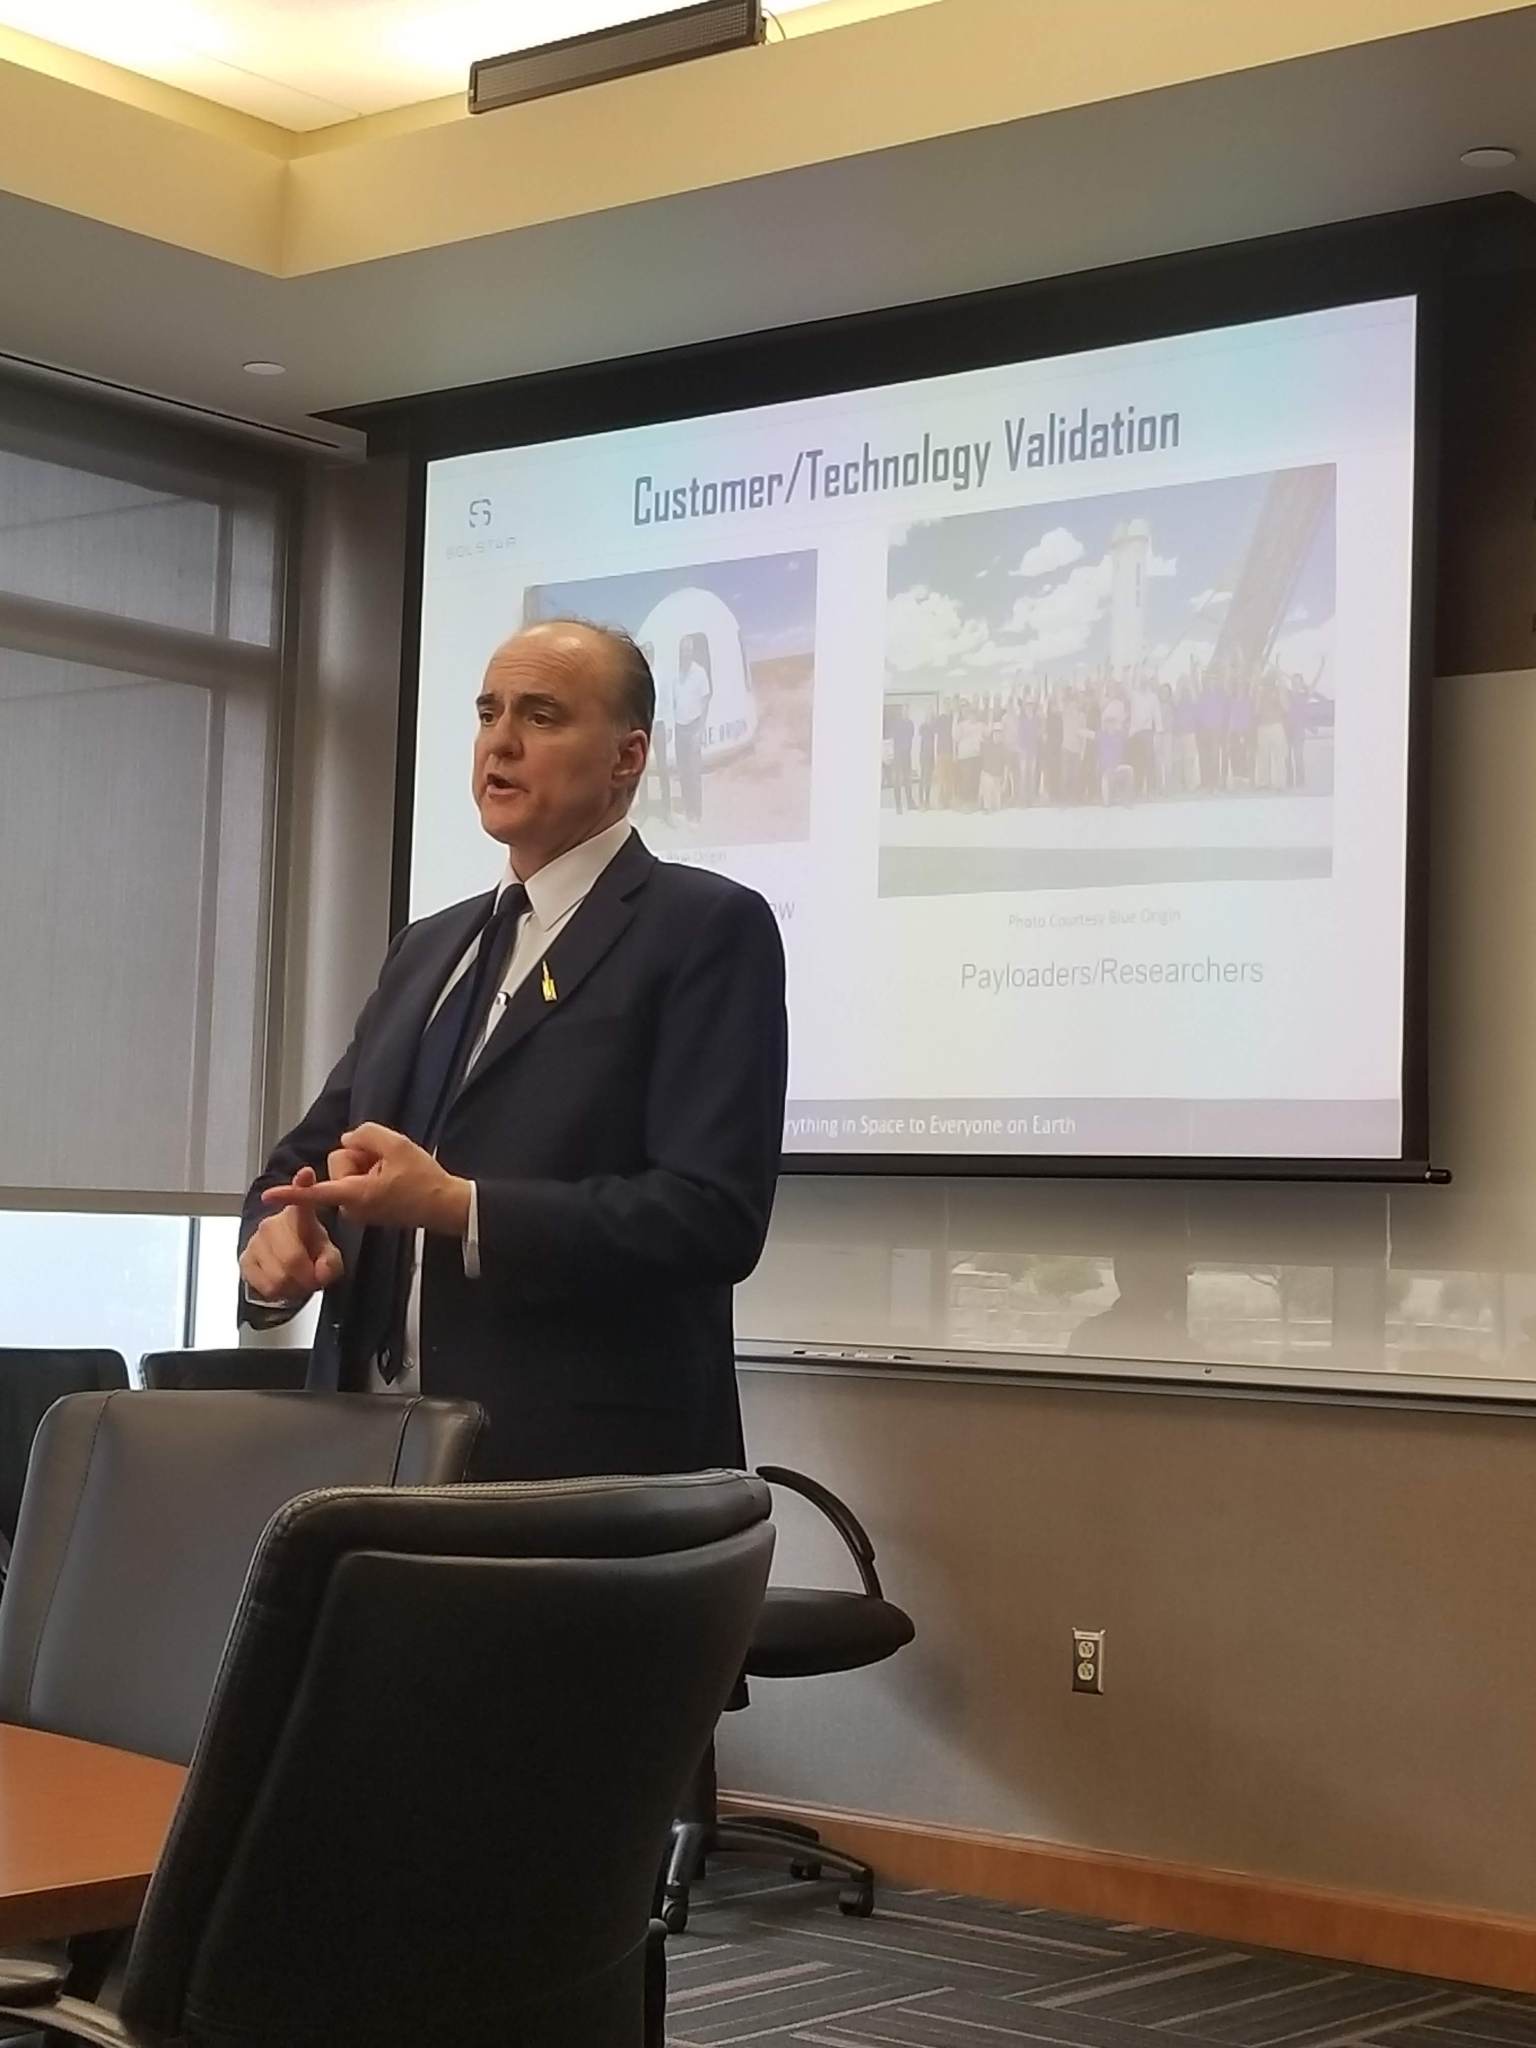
[524,701]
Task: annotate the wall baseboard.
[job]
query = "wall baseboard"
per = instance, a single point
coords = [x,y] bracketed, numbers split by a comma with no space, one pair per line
[1355,1927]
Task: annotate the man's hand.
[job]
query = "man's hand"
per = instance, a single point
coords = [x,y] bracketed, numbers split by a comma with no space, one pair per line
[378,1176]
[289,1257]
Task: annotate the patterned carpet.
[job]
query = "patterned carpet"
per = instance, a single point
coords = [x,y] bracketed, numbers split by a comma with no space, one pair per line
[767,1960]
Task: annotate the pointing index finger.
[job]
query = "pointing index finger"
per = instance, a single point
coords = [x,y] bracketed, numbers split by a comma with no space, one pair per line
[321,1194]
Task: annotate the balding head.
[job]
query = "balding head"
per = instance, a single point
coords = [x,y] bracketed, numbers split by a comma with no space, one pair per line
[564,720]
[617,658]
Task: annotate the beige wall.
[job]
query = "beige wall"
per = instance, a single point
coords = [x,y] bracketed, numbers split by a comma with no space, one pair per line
[1320,1658]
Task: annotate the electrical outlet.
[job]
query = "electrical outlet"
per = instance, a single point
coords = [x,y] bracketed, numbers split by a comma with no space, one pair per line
[1087,1660]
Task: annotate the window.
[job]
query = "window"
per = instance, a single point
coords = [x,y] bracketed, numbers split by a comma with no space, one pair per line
[116,1283]
[141,587]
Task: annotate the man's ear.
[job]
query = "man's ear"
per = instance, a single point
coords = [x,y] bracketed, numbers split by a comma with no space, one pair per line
[634,752]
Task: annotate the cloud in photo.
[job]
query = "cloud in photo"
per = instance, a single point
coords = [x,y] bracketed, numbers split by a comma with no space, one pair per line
[927,630]
[995,654]
[1055,623]
[1059,549]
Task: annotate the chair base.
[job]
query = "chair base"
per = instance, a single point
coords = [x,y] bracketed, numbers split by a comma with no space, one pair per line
[699,1833]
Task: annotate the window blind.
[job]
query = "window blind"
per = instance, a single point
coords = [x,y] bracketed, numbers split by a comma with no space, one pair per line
[142,574]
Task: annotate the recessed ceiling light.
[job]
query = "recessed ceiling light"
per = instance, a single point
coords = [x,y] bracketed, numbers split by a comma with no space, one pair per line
[265,369]
[1491,157]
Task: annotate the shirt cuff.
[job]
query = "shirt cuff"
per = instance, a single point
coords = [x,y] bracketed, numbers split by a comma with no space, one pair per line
[472,1234]
[258,1305]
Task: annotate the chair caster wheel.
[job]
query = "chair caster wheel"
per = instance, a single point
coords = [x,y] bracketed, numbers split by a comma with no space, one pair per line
[858,1902]
[807,1873]
[674,1916]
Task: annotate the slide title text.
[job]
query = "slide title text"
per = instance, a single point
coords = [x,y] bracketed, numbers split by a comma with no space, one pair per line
[816,476]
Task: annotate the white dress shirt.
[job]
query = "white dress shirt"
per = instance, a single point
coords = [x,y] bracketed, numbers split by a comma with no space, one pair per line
[691,699]
[555,894]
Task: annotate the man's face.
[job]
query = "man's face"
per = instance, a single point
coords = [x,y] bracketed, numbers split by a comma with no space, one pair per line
[552,766]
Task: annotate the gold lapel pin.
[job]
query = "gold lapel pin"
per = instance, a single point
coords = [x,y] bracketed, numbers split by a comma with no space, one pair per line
[547,983]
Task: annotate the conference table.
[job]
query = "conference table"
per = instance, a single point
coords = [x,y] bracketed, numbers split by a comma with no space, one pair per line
[81,1827]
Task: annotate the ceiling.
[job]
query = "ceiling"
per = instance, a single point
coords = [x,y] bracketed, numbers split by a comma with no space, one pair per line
[1346,132]
[307,64]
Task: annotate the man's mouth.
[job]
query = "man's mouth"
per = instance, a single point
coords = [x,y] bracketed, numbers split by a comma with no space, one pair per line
[502,785]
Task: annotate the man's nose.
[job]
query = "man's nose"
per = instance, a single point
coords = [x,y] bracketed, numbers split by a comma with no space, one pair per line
[506,737]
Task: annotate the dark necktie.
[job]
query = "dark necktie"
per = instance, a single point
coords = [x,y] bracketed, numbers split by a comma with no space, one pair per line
[442,1058]
[459,1022]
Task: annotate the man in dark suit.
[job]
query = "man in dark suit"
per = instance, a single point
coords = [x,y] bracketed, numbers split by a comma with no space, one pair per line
[551,1148]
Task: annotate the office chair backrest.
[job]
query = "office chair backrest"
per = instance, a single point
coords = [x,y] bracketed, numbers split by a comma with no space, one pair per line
[440,1764]
[254,1368]
[30,1383]
[140,1518]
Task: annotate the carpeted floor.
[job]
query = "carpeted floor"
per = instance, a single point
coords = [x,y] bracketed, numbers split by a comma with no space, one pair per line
[767,1960]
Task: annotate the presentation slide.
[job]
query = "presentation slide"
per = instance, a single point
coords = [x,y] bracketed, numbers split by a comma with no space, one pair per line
[1059,711]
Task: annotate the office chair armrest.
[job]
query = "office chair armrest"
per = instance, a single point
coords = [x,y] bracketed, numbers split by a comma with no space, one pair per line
[838,1513]
[32,1991]
[73,2019]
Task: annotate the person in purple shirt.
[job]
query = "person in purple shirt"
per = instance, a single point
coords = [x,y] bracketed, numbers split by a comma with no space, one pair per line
[1240,728]
[1211,730]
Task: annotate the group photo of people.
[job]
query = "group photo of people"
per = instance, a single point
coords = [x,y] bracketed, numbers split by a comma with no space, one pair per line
[732,647]
[1101,740]
[1149,652]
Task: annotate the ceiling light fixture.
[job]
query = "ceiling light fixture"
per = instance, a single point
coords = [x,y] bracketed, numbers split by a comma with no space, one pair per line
[260,369]
[642,43]
[1489,157]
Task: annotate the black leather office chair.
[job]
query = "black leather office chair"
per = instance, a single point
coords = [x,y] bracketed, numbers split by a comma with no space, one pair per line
[802,1632]
[250,1367]
[30,1383]
[140,1518]
[435,1782]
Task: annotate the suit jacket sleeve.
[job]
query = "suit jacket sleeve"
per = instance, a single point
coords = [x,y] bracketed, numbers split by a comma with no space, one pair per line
[714,1125]
[310,1143]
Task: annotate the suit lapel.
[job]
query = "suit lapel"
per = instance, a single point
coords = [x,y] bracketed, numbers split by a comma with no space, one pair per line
[400,1028]
[590,933]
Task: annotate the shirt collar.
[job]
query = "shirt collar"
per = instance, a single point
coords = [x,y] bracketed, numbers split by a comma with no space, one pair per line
[557,888]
